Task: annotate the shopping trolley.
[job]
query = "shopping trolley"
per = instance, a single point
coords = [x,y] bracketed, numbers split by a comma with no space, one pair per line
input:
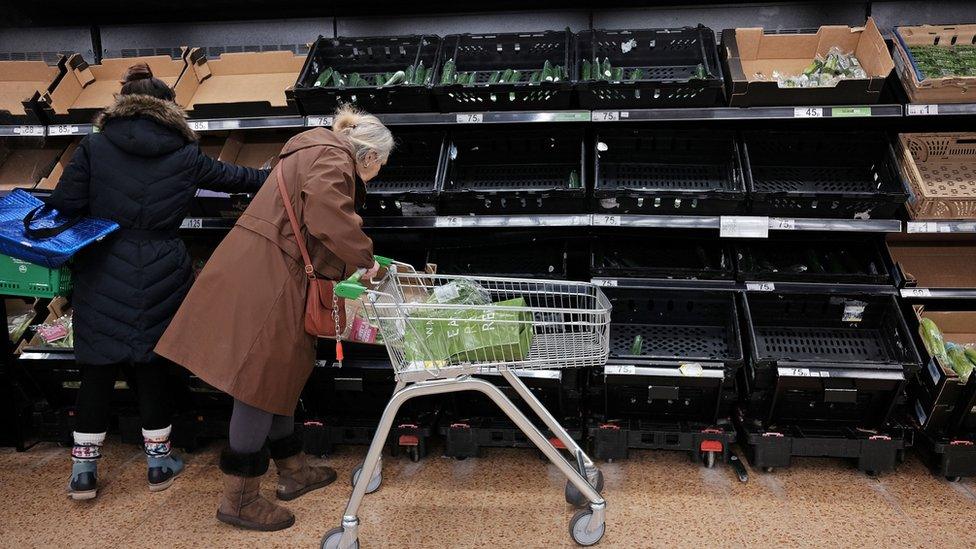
[530,324]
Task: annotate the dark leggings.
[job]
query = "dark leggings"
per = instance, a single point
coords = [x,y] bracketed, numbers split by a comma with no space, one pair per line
[149,380]
[251,427]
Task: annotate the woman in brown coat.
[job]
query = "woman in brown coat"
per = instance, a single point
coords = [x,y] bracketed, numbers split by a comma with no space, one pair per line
[241,328]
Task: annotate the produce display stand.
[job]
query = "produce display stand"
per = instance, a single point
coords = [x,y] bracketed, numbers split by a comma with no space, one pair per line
[407,185]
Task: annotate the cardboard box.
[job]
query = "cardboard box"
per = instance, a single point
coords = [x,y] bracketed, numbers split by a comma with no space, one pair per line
[23,165]
[936,264]
[940,169]
[247,84]
[51,181]
[58,308]
[17,308]
[923,88]
[751,52]
[254,150]
[20,83]
[943,397]
[86,89]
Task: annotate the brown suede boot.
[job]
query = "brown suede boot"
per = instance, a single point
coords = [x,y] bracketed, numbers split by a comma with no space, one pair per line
[295,476]
[242,504]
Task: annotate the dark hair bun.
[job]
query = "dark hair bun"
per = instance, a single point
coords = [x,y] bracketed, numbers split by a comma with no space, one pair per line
[140,71]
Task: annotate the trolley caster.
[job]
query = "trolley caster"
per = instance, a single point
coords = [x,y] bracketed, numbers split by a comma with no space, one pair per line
[413,452]
[578,529]
[331,539]
[769,469]
[708,458]
[576,498]
[374,483]
[953,478]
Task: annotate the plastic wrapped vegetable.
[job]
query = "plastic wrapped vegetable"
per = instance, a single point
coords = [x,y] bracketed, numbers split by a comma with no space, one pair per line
[958,362]
[932,339]
[461,291]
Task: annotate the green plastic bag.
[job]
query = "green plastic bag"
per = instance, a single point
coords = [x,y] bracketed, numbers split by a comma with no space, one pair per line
[482,334]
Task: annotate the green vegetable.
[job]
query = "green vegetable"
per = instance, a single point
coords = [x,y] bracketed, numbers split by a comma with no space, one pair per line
[516,76]
[356,81]
[932,339]
[324,77]
[700,72]
[618,74]
[637,347]
[338,80]
[420,77]
[408,75]
[606,71]
[547,74]
[636,74]
[396,78]
[535,78]
[574,180]
[959,363]
[587,67]
[378,80]
[813,261]
[495,77]
[971,355]
[506,76]
[448,76]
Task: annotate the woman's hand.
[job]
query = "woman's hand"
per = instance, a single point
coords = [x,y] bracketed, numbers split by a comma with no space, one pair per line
[372,271]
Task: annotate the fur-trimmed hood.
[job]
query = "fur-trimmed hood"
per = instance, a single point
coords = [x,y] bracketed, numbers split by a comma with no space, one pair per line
[164,113]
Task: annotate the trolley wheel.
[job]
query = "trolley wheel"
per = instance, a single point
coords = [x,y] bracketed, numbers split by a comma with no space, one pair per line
[576,498]
[769,469]
[331,539]
[374,483]
[953,478]
[413,452]
[578,525]
[709,459]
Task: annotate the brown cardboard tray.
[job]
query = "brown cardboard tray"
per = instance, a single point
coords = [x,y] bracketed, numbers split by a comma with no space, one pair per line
[20,83]
[749,52]
[933,89]
[940,169]
[23,165]
[936,264]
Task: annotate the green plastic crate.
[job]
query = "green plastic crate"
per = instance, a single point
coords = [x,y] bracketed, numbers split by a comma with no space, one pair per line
[20,278]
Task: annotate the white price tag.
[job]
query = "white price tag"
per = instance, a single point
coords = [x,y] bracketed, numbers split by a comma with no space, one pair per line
[743,226]
[808,112]
[916,292]
[199,125]
[605,116]
[606,220]
[760,286]
[922,227]
[450,221]
[29,131]
[922,110]
[318,121]
[470,118]
[782,224]
[612,282]
[619,370]
[192,223]
[63,129]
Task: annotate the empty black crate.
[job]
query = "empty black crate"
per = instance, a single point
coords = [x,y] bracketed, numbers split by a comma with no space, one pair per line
[369,57]
[504,254]
[849,175]
[505,172]
[826,358]
[616,255]
[830,260]
[485,58]
[407,184]
[668,172]
[649,68]
[673,355]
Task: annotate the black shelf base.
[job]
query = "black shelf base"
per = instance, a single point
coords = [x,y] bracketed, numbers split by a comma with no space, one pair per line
[613,439]
[464,438]
[952,458]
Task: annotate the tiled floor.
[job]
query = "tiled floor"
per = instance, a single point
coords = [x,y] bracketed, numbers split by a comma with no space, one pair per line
[509,498]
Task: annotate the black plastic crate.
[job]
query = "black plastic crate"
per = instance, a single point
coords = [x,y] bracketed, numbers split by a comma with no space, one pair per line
[839,359]
[488,55]
[465,437]
[407,184]
[655,68]
[850,175]
[616,255]
[845,260]
[668,172]
[369,57]
[514,254]
[509,172]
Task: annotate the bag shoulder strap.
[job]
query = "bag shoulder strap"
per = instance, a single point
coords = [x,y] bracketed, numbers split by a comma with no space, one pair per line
[295,227]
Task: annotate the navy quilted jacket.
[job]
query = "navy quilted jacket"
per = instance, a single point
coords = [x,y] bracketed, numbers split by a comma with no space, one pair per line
[141,170]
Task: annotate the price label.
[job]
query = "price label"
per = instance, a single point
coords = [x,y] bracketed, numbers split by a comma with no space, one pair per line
[192,223]
[743,226]
[782,224]
[318,121]
[619,370]
[760,286]
[916,292]
[808,112]
[29,131]
[847,112]
[923,110]
[199,125]
[450,221]
[605,116]
[63,129]
[470,118]
[610,282]
[606,220]
[922,227]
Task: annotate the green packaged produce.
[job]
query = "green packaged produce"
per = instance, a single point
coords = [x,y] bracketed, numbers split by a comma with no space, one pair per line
[932,339]
[420,77]
[355,81]
[338,80]
[495,77]
[448,75]
[958,362]
[535,78]
[636,74]
[971,354]
[408,74]
[547,74]
[574,180]
[637,347]
[506,76]
[516,76]
[378,80]
[324,78]
[396,78]
[587,67]
[606,71]
[618,74]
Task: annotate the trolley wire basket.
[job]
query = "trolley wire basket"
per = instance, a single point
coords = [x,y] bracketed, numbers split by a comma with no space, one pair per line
[439,329]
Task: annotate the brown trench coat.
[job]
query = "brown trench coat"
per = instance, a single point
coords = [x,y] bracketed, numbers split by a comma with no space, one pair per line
[241,328]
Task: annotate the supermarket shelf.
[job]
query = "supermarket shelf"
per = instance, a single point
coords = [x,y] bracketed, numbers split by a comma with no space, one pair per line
[68,130]
[463,221]
[748,226]
[270,122]
[23,131]
[946,109]
[207,223]
[513,117]
[748,113]
[749,286]
[938,293]
[45,354]
[665,283]
[927,227]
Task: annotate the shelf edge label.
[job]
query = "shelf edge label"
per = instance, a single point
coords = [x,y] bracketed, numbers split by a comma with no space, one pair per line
[808,112]
[743,226]
[922,110]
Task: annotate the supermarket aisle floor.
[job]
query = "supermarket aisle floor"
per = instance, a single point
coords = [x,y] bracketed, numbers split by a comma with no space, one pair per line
[509,498]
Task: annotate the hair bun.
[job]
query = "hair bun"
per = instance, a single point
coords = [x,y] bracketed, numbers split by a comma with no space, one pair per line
[140,71]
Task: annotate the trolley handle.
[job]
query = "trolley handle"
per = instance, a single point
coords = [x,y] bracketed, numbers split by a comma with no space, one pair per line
[352,288]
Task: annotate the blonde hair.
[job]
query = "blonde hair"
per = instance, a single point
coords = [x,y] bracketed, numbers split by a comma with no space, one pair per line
[365,131]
